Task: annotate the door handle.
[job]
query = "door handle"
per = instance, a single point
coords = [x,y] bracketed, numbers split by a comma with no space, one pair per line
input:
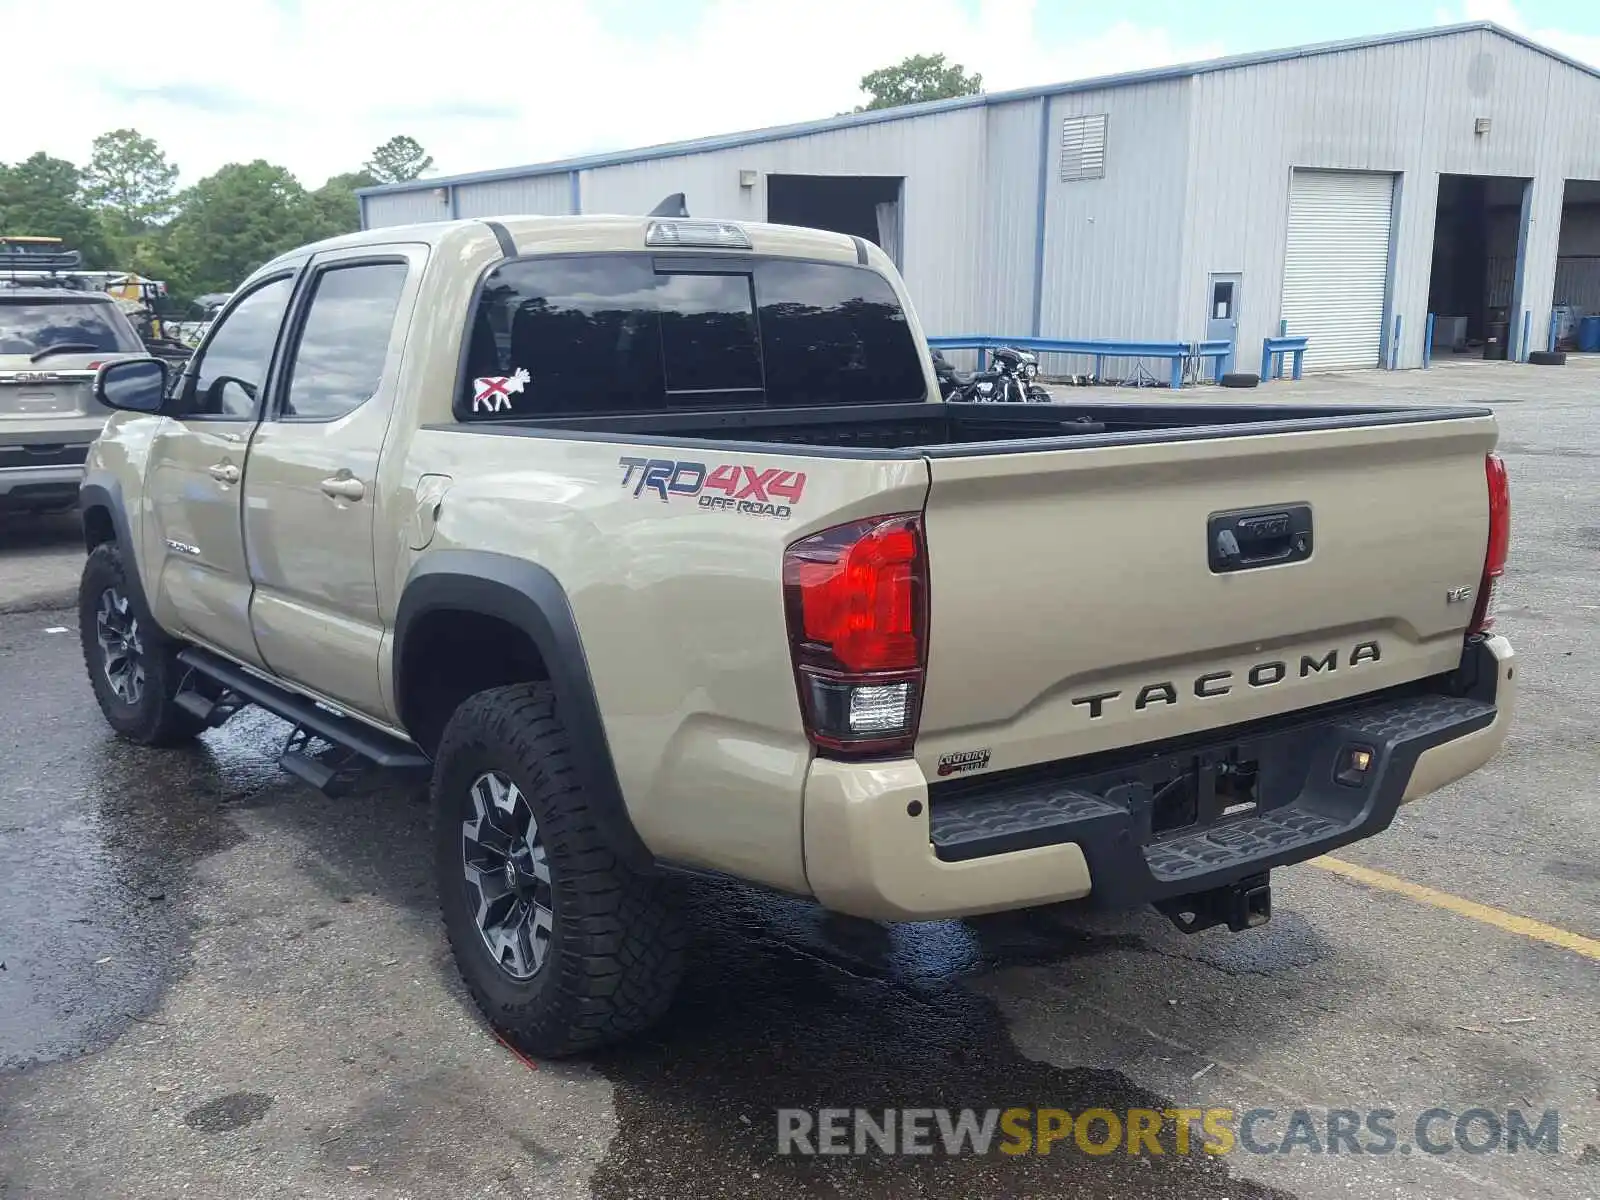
[224,472]
[344,487]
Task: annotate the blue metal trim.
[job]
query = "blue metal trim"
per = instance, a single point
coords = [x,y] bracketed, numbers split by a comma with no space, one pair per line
[1427,344]
[455,202]
[1552,338]
[1098,348]
[1272,354]
[575,192]
[910,111]
[1110,347]
[361,206]
[1527,335]
[1039,216]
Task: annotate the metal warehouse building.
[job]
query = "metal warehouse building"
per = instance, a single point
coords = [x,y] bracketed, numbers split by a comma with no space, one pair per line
[1345,190]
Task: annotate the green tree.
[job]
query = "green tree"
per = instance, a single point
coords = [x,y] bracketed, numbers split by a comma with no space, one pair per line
[916,79]
[338,210]
[399,160]
[40,197]
[231,222]
[130,180]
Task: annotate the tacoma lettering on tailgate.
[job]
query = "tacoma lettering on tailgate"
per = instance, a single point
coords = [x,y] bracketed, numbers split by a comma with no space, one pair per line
[753,491]
[1214,684]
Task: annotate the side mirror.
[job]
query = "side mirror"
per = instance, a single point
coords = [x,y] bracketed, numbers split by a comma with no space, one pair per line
[133,385]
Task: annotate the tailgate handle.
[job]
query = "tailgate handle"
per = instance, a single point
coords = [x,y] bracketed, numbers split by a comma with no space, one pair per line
[1258,537]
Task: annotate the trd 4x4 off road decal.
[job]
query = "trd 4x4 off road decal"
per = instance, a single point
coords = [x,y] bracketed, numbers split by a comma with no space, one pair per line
[754,491]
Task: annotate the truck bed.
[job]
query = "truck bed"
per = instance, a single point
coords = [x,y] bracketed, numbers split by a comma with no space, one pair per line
[945,430]
[1112,574]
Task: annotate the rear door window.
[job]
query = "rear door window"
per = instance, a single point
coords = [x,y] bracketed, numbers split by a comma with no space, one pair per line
[630,333]
[338,363]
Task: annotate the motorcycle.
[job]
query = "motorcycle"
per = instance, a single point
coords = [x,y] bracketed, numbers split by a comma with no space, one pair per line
[1012,380]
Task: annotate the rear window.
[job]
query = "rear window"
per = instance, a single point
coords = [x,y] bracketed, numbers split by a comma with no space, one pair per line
[34,325]
[626,333]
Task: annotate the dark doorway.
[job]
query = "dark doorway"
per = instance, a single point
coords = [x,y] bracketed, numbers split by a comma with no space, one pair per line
[864,206]
[1577,293]
[1477,248]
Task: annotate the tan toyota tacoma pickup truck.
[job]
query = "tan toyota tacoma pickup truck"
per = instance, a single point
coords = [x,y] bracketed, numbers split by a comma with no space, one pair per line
[653,539]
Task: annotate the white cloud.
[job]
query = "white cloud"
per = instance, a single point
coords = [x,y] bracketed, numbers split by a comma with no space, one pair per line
[315,84]
[1505,13]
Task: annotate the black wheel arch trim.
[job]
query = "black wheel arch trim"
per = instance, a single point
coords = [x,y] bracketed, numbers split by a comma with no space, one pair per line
[527,596]
[100,490]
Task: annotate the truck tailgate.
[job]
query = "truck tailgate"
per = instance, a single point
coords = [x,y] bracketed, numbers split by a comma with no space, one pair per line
[1075,608]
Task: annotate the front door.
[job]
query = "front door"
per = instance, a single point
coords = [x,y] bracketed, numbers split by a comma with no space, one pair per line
[312,489]
[192,536]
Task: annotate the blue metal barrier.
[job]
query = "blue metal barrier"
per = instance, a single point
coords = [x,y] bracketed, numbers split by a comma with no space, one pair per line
[1100,349]
[1273,348]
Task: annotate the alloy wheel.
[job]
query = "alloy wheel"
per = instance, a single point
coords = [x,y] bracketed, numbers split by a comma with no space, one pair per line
[507,875]
[121,649]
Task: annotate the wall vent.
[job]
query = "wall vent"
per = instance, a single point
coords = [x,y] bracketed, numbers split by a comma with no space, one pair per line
[1083,148]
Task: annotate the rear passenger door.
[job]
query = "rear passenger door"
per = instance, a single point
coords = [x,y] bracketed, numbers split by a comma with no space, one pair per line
[312,489]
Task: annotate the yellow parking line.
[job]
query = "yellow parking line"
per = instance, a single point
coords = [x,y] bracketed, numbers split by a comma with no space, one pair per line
[1523,926]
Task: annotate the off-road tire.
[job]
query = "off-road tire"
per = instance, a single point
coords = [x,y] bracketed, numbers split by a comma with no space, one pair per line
[1240,379]
[152,719]
[615,951]
[1548,358]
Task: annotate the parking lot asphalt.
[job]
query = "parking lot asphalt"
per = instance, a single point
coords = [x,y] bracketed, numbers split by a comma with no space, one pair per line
[218,983]
[40,557]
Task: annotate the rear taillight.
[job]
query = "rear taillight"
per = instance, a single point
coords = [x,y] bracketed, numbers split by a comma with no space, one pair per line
[857,603]
[1494,557]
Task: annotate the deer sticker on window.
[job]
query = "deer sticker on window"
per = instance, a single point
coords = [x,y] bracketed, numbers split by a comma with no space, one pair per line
[492,393]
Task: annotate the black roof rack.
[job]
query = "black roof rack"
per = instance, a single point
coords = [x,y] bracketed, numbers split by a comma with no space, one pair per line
[16,256]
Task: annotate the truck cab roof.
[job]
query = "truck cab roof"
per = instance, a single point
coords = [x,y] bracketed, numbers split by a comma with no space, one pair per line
[593,233]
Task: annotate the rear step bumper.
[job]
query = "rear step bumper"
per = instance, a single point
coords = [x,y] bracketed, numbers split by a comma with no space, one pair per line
[881,843]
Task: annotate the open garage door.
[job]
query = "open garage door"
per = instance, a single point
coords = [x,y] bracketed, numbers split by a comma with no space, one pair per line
[1336,265]
[866,206]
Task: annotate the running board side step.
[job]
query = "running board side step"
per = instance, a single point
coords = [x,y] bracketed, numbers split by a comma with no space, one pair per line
[310,719]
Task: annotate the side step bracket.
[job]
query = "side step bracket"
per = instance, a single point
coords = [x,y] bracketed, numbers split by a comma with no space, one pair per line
[330,772]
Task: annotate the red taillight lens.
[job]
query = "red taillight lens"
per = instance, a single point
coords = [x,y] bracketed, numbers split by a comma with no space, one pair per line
[857,598]
[1499,547]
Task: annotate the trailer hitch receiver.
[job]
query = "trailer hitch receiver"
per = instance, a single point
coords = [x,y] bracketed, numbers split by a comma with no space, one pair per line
[1246,904]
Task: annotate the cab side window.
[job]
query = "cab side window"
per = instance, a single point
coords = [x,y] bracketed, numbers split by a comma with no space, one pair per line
[338,363]
[233,366]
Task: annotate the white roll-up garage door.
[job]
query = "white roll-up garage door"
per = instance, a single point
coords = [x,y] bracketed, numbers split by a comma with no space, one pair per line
[1336,265]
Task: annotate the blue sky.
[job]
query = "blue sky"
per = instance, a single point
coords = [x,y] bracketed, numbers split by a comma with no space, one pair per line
[316,84]
[1245,26]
